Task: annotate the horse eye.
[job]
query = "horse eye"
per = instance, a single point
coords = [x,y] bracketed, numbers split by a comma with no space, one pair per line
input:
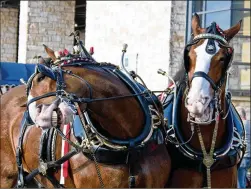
[40,77]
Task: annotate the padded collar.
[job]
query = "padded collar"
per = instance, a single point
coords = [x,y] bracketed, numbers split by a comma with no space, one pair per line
[233,123]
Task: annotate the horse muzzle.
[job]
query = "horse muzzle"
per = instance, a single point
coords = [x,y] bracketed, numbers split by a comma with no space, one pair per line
[52,115]
[200,109]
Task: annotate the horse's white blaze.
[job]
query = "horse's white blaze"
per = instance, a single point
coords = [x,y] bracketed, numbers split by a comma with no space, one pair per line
[200,86]
[32,108]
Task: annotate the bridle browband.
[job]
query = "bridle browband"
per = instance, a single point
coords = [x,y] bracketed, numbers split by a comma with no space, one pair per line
[211,36]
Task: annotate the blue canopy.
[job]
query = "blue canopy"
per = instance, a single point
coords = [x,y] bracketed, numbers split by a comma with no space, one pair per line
[11,73]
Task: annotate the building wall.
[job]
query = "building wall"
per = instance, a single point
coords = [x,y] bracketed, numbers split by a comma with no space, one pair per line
[240,74]
[9,24]
[144,26]
[44,22]
[178,35]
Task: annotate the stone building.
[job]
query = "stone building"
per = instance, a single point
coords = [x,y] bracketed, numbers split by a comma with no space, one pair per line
[9,34]
[27,25]
[155,31]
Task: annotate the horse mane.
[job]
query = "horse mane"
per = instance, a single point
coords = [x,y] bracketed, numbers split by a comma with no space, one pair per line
[108,64]
[180,75]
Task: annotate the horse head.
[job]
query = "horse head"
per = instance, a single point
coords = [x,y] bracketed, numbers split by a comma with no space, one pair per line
[51,90]
[206,59]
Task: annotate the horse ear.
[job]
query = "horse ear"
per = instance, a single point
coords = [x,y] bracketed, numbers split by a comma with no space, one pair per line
[196,28]
[45,61]
[50,52]
[231,32]
[41,60]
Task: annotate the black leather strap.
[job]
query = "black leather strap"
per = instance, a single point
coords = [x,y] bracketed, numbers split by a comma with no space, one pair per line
[205,76]
[19,152]
[52,164]
[132,161]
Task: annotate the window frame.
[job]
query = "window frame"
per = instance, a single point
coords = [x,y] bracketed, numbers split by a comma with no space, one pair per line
[190,12]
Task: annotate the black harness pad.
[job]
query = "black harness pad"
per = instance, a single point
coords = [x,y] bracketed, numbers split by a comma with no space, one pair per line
[111,156]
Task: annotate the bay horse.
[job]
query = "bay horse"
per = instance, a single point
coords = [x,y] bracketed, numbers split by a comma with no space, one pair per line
[205,132]
[121,131]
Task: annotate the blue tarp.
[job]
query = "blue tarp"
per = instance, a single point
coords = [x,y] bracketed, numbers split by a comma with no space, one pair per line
[11,73]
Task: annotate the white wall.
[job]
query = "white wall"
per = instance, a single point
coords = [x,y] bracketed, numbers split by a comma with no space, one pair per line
[143,25]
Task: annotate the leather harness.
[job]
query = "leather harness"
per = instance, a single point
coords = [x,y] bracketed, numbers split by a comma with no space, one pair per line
[103,149]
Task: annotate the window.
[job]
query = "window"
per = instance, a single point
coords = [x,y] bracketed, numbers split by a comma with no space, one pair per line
[80,18]
[227,13]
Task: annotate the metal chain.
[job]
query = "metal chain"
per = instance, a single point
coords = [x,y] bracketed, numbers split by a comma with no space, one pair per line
[98,170]
[208,157]
[89,143]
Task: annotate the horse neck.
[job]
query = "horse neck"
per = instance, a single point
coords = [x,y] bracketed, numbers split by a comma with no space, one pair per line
[121,118]
[206,130]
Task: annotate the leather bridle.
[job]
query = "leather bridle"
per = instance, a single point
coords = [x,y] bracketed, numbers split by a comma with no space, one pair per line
[222,42]
[215,85]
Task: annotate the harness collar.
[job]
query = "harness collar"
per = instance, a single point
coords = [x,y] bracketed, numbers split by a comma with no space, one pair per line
[235,129]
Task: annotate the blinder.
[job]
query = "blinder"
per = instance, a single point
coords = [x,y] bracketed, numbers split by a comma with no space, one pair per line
[228,61]
[40,68]
[45,70]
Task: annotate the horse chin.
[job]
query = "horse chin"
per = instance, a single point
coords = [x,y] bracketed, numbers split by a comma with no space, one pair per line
[205,117]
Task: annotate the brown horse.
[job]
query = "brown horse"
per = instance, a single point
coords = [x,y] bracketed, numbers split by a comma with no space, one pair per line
[204,119]
[119,119]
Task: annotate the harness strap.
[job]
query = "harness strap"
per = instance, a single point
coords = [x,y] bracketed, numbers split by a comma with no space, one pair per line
[19,152]
[52,164]
[132,158]
[204,75]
